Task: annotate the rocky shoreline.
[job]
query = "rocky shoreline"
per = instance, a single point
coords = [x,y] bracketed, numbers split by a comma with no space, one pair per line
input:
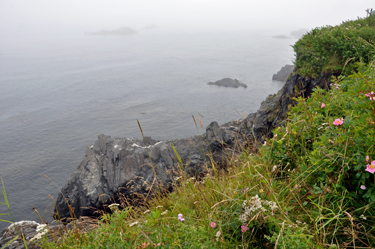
[120,167]
[115,168]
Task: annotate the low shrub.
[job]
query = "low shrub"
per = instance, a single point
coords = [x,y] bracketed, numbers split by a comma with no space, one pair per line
[335,49]
[328,147]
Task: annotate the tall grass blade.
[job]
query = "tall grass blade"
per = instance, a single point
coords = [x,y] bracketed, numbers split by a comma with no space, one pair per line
[10,213]
[6,201]
[148,151]
[6,221]
[177,155]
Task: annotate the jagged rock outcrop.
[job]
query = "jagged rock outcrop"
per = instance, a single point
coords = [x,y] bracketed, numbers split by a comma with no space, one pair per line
[120,167]
[228,82]
[27,228]
[33,232]
[284,73]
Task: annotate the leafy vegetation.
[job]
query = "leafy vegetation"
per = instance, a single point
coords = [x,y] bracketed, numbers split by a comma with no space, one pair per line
[335,49]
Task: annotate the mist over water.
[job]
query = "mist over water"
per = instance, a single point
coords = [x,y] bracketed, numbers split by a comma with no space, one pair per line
[59,93]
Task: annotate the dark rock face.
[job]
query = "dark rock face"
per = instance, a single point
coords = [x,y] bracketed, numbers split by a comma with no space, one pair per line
[284,73]
[228,82]
[115,167]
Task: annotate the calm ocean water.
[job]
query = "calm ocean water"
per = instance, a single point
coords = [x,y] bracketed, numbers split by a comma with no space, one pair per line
[57,94]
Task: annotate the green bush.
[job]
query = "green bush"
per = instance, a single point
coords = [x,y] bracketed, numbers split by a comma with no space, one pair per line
[330,49]
[327,147]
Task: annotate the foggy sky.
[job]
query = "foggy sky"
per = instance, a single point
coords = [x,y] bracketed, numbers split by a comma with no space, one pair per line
[19,17]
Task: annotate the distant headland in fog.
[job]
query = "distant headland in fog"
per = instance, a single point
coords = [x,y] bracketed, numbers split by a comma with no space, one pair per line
[119,31]
[296,34]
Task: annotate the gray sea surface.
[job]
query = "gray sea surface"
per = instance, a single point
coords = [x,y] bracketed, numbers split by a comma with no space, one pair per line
[58,93]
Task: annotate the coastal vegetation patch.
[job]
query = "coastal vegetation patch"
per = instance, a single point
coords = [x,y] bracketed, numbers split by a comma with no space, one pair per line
[335,49]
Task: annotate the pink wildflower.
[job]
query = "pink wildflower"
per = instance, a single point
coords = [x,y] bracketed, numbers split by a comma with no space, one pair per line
[265,143]
[370,95]
[213,224]
[323,105]
[244,228]
[144,244]
[367,158]
[371,167]
[363,187]
[338,121]
[180,217]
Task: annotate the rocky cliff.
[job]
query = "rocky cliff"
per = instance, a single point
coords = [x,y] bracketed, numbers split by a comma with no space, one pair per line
[284,73]
[115,168]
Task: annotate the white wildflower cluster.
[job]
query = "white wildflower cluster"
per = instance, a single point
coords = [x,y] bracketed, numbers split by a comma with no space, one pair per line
[133,224]
[114,207]
[218,235]
[254,206]
[363,217]
[42,230]
[191,179]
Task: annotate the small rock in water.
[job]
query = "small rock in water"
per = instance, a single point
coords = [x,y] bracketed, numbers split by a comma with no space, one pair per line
[228,82]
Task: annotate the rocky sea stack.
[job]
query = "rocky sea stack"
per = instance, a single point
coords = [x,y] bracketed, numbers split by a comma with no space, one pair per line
[284,73]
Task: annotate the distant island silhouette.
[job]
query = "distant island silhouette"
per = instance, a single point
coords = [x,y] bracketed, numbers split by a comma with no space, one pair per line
[119,31]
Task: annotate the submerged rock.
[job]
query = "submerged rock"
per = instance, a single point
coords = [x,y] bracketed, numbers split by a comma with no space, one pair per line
[228,82]
[117,168]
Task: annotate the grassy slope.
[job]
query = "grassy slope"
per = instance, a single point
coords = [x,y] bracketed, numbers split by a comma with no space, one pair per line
[303,189]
